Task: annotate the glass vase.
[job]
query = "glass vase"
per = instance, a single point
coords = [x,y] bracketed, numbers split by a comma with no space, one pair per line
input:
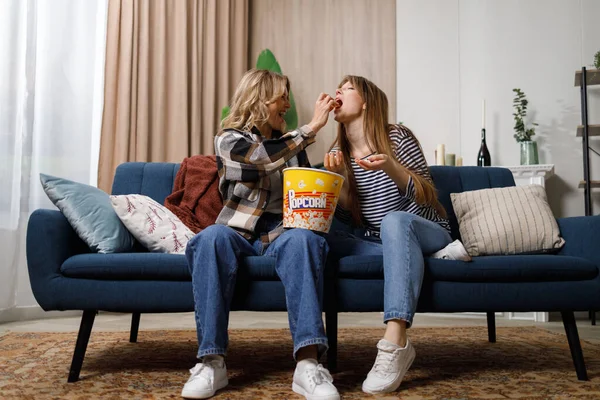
[529,153]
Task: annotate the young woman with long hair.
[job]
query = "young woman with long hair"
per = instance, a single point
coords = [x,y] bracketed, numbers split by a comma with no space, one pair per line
[389,193]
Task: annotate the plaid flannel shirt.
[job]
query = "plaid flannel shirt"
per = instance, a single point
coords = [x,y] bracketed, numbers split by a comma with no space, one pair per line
[245,160]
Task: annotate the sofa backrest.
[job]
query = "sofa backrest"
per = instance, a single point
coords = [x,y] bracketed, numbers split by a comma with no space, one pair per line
[463,179]
[151,179]
[156,180]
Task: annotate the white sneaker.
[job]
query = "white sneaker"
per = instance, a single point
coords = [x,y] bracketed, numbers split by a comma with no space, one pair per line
[313,381]
[454,251]
[390,366]
[207,377]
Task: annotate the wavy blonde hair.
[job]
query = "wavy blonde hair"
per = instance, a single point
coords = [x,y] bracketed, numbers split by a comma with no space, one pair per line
[256,89]
[377,131]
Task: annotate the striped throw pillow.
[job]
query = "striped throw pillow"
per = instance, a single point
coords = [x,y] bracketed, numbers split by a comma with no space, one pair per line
[511,220]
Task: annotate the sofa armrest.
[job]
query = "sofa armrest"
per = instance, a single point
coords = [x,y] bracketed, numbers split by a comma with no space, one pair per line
[50,241]
[582,237]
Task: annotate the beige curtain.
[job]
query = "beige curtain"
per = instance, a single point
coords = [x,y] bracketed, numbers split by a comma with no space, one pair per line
[171,66]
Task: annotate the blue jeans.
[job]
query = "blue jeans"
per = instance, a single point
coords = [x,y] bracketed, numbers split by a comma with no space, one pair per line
[405,237]
[213,258]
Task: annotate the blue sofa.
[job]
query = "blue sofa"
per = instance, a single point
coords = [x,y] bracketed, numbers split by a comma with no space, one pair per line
[65,275]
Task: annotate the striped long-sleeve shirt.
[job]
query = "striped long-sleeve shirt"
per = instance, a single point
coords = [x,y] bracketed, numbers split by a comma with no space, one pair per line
[245,161]
[378,195]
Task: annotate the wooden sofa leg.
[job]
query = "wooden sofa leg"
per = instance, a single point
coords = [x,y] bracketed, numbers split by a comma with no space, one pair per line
[491,324]
[331,324]
[135,325]
[85,329]
[568,318]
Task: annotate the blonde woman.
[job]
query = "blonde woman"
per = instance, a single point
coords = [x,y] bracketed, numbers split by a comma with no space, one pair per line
[251,152]
[395,202]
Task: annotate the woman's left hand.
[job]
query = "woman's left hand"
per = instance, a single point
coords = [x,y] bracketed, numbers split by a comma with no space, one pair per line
[375,162]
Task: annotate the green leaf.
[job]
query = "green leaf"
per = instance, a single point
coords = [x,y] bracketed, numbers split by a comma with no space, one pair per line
[291,116]
[224,112]
[266,60]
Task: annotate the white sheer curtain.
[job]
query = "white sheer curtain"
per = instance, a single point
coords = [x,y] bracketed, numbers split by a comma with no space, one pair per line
[51,94]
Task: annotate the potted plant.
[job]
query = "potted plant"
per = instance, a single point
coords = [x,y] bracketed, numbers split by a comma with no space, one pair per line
[266,60]
[529,152]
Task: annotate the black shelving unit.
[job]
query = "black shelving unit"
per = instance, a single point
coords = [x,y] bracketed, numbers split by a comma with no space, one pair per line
[583,79]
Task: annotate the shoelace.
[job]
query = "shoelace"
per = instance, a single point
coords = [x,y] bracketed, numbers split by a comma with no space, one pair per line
[383,362]
[202,370]
[319,374]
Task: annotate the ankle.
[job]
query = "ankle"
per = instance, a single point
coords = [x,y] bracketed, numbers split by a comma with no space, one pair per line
[398,340]
[395,332]
[307,352]
[220,359]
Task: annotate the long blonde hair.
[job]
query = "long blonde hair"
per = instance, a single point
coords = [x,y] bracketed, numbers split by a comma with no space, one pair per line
[249,102]
[376,129]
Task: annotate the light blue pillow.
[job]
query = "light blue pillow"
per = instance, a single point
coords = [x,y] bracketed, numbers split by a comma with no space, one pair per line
[90,213]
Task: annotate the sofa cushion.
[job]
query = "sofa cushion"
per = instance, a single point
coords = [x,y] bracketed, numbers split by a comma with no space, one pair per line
[153,266]
[90,213]
[512,220]
[529,268]
[127,266]
[461,179]
[152,224]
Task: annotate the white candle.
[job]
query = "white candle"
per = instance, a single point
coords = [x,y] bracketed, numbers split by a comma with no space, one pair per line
[440,154]
[483,115]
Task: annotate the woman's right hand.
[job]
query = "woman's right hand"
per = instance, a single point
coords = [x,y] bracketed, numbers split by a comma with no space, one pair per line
[334,162]
[324,105]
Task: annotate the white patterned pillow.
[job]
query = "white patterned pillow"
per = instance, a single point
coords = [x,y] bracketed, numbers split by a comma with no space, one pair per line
[152,224]
[510,220]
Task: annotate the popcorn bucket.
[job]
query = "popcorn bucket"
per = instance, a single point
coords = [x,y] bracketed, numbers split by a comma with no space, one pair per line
[309,198]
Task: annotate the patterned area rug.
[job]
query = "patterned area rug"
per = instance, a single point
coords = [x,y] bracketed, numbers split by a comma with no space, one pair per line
[451,363]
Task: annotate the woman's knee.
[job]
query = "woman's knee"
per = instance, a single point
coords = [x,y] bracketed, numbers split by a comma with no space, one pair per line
[211,240]
[396,219]
[216,233]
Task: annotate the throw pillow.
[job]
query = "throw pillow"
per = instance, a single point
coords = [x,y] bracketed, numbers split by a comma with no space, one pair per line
[152,224]
[511,220]
[90,213]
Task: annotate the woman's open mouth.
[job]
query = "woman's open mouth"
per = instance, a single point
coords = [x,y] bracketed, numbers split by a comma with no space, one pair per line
[337,104]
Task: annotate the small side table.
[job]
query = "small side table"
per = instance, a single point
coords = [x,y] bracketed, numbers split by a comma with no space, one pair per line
[532,174]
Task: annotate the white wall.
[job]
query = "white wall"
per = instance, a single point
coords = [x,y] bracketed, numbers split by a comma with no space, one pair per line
[453,54]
